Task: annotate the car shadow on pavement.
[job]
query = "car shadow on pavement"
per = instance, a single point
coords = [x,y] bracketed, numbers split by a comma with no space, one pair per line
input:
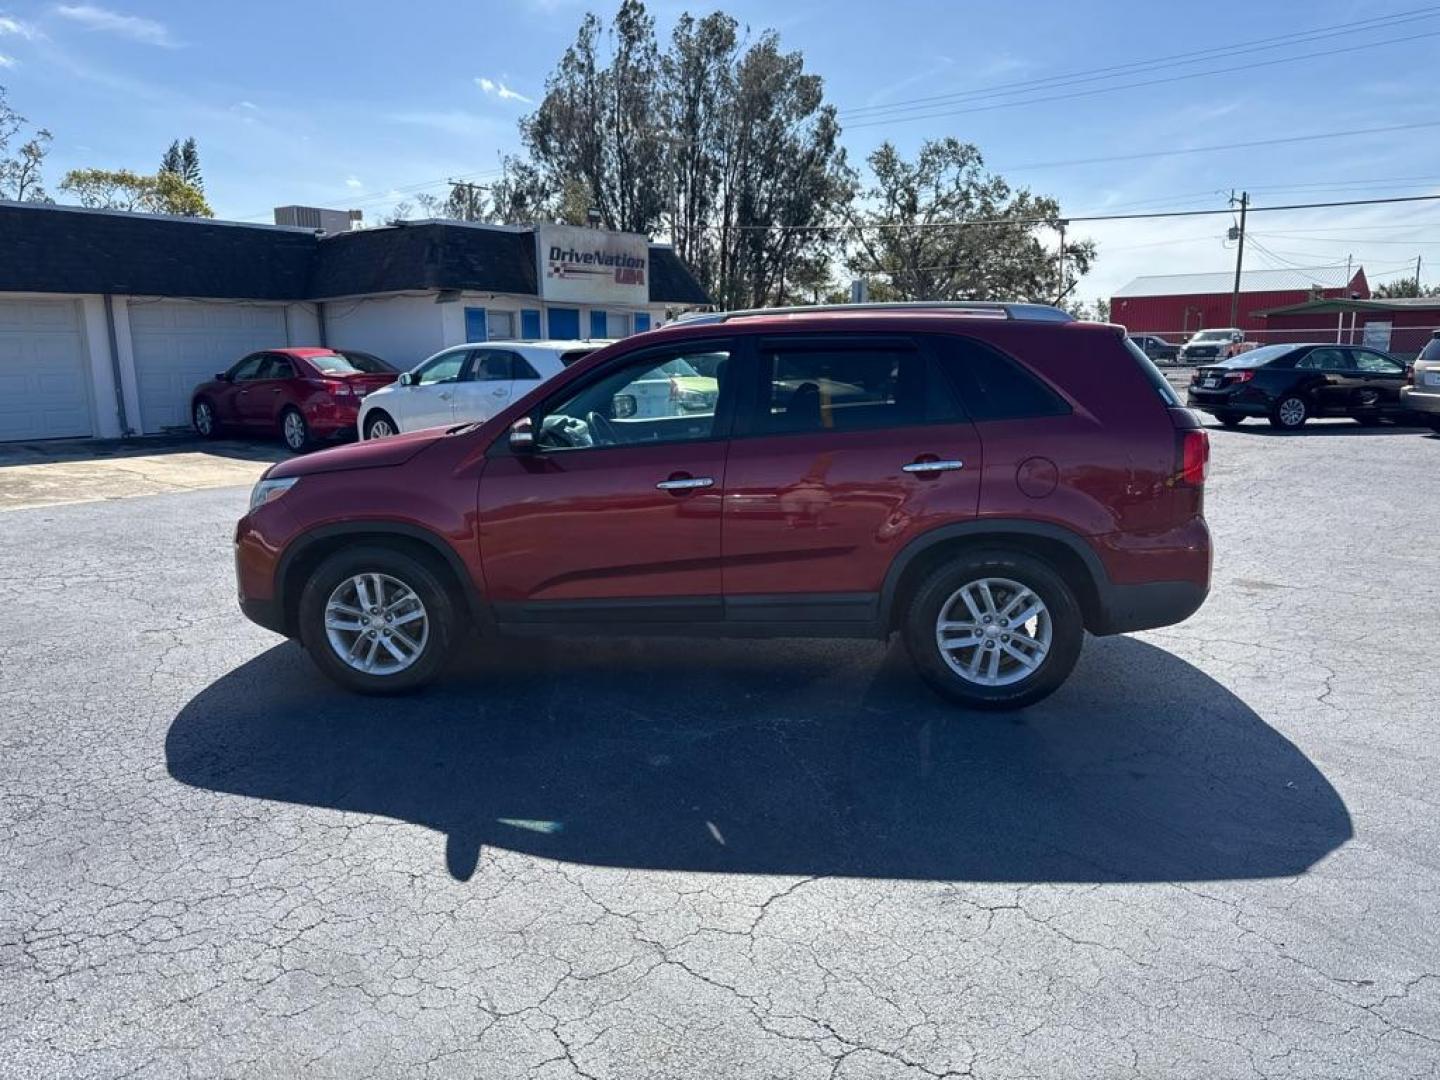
[784,757]
[49,451]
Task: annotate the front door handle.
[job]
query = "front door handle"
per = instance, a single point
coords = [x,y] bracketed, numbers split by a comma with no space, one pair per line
[932,466]
[445,397]
[689,483]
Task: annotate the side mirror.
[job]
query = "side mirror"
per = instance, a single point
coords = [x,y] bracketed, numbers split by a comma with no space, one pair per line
[222,376]
[522,435]
[406,379]
[623,406]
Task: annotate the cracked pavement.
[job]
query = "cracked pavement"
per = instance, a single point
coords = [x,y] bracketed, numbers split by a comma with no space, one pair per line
[1212,854]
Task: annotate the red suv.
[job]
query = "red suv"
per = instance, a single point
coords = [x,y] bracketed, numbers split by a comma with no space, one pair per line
[989,480]
[303,395]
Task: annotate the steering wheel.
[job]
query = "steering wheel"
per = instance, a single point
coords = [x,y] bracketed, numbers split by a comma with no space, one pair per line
[602,432]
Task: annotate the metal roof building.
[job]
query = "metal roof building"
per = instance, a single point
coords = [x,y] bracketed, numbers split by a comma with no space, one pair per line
[1177,305]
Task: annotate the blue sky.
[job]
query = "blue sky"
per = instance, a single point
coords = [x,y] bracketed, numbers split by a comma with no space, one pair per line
[360,103]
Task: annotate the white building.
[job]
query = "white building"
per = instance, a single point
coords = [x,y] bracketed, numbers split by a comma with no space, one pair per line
[108,320]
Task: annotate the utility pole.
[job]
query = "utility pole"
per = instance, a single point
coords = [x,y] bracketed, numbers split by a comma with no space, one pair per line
[1417,277]
[1060,289]
[472,198]
[1239,257]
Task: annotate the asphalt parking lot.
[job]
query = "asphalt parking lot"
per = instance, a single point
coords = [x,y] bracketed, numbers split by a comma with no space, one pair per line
[1215,853]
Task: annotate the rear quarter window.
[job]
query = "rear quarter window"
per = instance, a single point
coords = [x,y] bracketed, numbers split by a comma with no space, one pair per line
[1153,375]
[992,386]
[1431,353]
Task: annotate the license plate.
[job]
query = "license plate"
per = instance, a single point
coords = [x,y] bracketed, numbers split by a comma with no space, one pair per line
[1432,378]
[1210,383]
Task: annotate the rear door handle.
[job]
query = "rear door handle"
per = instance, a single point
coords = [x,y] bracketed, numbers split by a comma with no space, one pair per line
[932,466]
[689,483]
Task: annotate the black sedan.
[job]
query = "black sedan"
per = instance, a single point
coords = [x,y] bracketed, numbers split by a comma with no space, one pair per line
[1289,384]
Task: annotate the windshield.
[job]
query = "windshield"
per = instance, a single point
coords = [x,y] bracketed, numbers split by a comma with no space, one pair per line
[1212,335]
[678,367]
[332,364]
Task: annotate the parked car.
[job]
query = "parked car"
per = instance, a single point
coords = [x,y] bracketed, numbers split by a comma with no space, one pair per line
[466,383]
[1212,345]
[1290,384]
[1156,347]
[986,497]
[303,394]
[1421,392]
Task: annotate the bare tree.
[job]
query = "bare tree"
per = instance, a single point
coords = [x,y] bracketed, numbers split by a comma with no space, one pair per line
[21,173]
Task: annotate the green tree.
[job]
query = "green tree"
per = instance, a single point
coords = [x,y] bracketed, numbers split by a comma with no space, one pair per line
[121,189]
[941,227]
[596,122]
[21,178]
[722,144]
[183,160]
[1403,287]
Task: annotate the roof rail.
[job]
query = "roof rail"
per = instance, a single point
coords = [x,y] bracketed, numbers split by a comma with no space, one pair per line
[982,309]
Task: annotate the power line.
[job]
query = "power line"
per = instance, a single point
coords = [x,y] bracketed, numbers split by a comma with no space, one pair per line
[1383,22]
[901,119]
[1282,141]
[1072,218]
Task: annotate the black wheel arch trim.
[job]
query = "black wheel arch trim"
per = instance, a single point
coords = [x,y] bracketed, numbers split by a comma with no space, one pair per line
[479,610]
[994,527]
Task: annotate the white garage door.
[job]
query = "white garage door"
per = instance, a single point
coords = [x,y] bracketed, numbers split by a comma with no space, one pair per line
[179,344]
[44,375]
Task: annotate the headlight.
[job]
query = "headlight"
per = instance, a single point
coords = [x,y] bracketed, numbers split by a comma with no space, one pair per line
[268,490]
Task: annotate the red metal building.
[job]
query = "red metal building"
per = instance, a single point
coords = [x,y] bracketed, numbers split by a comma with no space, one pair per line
[1176,305]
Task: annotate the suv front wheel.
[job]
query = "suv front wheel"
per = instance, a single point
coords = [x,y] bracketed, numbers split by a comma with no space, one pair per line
[376,620]
[994,630]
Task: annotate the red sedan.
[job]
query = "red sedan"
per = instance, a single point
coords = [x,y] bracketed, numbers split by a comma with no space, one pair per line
[303,395]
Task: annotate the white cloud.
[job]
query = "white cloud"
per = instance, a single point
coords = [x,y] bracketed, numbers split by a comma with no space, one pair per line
[145,31]
[353,183]
[15,28]
[497,88]
[7,61]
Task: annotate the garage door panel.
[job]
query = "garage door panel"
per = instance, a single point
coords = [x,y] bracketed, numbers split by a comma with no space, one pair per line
[44,372]
[179,345]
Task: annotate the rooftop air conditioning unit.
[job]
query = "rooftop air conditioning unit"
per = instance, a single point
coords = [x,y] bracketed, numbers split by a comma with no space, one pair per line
[314,217]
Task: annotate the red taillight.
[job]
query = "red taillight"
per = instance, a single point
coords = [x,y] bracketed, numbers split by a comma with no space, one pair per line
[1409,374]
[1194,457]
[1241,376]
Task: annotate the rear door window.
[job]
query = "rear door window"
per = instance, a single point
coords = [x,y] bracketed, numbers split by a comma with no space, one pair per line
[846,385]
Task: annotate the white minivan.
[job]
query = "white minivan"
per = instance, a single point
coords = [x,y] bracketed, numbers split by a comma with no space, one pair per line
[465,383]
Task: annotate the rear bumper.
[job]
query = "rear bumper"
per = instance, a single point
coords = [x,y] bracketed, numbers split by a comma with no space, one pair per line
[1144,607]
[1424,401]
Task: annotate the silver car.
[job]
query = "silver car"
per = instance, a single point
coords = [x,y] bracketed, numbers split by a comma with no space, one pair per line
[1421,392]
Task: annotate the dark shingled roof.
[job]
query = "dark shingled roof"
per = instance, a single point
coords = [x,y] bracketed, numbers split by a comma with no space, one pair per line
[71,250]
[68,250]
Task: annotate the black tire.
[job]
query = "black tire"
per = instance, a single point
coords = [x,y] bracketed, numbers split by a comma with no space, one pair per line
[1283,415]
[1230,419]
[294,431]
[438,607]
[376,417]
[934,596]
[201,409]
[1434,422]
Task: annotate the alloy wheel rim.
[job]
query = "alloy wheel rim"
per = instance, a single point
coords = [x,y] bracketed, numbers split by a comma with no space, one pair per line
[380,429]
[294,430]
[1292,411]
[994,631]
[202,418]
[376,624]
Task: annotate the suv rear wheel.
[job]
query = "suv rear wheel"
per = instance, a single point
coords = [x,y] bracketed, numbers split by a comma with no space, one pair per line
[994,630]
[376,620]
